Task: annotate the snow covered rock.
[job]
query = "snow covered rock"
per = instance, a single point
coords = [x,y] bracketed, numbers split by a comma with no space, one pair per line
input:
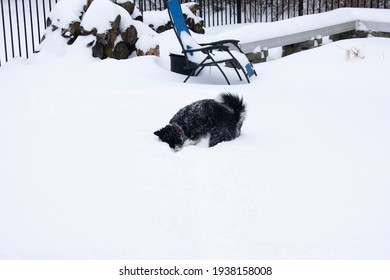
[160,21]
[114,27]
[147,45]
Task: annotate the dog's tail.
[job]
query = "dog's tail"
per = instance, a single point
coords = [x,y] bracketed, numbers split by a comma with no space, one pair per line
[235,103]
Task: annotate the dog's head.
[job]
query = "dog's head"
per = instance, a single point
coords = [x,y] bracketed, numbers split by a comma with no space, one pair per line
[171,135]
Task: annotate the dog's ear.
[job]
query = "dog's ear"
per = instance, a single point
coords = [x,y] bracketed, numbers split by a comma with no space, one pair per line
[158,133]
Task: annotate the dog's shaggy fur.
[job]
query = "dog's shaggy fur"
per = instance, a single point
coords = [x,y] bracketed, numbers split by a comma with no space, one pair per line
[219,119]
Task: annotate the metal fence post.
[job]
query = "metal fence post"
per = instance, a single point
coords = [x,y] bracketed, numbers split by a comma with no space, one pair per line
[300,8]
[239,11]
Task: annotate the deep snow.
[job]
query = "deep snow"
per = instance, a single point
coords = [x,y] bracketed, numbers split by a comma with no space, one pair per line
[83,177]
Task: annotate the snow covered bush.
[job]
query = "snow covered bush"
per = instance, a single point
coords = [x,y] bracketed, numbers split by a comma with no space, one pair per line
[113,27]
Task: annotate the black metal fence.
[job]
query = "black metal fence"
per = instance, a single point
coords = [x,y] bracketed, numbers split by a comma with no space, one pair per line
[222,12]
[22,22]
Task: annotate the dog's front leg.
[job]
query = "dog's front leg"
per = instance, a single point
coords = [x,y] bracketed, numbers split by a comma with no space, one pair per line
[190,142]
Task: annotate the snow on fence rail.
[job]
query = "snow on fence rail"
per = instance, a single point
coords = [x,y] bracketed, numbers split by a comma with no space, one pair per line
[22,22]
[313,33]
[305,28]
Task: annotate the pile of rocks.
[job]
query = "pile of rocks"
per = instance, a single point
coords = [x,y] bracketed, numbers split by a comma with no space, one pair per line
[114,27]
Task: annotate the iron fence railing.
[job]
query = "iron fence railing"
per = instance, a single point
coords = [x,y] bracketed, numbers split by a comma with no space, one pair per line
[222,12]
[21,26]
[22,22]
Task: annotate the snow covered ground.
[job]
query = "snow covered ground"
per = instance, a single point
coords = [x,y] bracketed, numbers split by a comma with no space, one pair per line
[83,177]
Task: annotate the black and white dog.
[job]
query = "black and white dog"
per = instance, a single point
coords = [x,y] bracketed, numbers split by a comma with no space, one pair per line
[220,119]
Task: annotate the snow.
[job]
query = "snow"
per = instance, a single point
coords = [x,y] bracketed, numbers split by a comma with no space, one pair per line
[161,18]
[156,18]
[99,15]
[65,12]
[146,42]
[102,12]
[83,177]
